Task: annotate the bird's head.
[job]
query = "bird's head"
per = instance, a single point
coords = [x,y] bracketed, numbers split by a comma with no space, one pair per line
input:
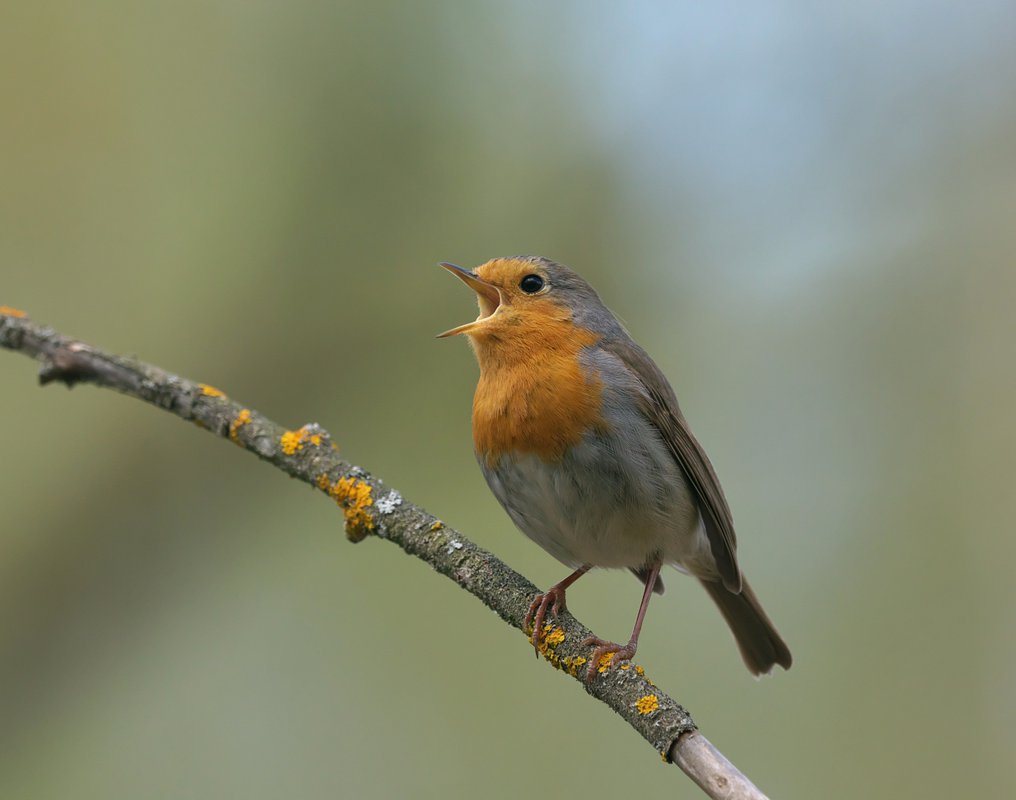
[520,296]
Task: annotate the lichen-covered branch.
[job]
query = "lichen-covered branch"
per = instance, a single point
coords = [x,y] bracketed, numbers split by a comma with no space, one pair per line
[372,509]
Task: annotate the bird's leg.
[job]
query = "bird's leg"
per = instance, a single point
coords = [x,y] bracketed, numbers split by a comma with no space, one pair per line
[622,652]
[552,598]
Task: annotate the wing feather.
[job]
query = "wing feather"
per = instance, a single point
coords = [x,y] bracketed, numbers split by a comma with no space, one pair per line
[659,404]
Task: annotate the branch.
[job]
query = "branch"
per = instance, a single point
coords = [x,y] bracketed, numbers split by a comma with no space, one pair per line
[372,509]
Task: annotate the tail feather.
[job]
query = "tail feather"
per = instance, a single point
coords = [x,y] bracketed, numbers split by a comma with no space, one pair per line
[758,640]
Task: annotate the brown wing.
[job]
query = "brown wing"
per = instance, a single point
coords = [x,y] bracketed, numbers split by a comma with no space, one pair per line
[661,408]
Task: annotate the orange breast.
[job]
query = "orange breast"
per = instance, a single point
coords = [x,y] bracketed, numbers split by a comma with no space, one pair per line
[534,396]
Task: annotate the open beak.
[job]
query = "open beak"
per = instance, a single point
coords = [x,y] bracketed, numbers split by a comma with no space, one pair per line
[487,296]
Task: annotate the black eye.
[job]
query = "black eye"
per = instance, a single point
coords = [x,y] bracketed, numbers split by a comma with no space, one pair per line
[531,284]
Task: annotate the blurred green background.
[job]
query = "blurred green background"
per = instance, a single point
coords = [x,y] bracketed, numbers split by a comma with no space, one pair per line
[805,213]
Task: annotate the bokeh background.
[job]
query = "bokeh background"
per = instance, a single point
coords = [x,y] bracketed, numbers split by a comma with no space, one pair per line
[804,212]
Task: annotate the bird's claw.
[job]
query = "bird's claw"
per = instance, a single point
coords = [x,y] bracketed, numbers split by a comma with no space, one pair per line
[553,599]
[619,653]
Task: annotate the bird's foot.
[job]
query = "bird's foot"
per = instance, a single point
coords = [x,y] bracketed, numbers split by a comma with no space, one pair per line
[553,599]
[599,661]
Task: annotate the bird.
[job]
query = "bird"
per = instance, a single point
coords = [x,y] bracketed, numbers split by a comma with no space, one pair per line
[580,438]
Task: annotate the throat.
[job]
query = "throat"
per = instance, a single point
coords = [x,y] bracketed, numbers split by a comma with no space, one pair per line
[541,405]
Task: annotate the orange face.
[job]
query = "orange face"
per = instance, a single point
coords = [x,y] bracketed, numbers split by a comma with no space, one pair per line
[515,297]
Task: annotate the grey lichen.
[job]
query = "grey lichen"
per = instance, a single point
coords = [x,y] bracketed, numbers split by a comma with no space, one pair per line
[388,503]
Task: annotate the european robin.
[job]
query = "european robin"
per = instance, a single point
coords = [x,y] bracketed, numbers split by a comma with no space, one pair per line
[581,439]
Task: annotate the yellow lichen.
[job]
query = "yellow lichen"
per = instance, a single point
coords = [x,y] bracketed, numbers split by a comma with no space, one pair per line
[243,418]
[647,704]
[605,661]
[551,657]
[292,441]
[323,483]
[210,391]
[572,664]
[355,498]
[639,671]
[551,638]
[438,525]
[9,311]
